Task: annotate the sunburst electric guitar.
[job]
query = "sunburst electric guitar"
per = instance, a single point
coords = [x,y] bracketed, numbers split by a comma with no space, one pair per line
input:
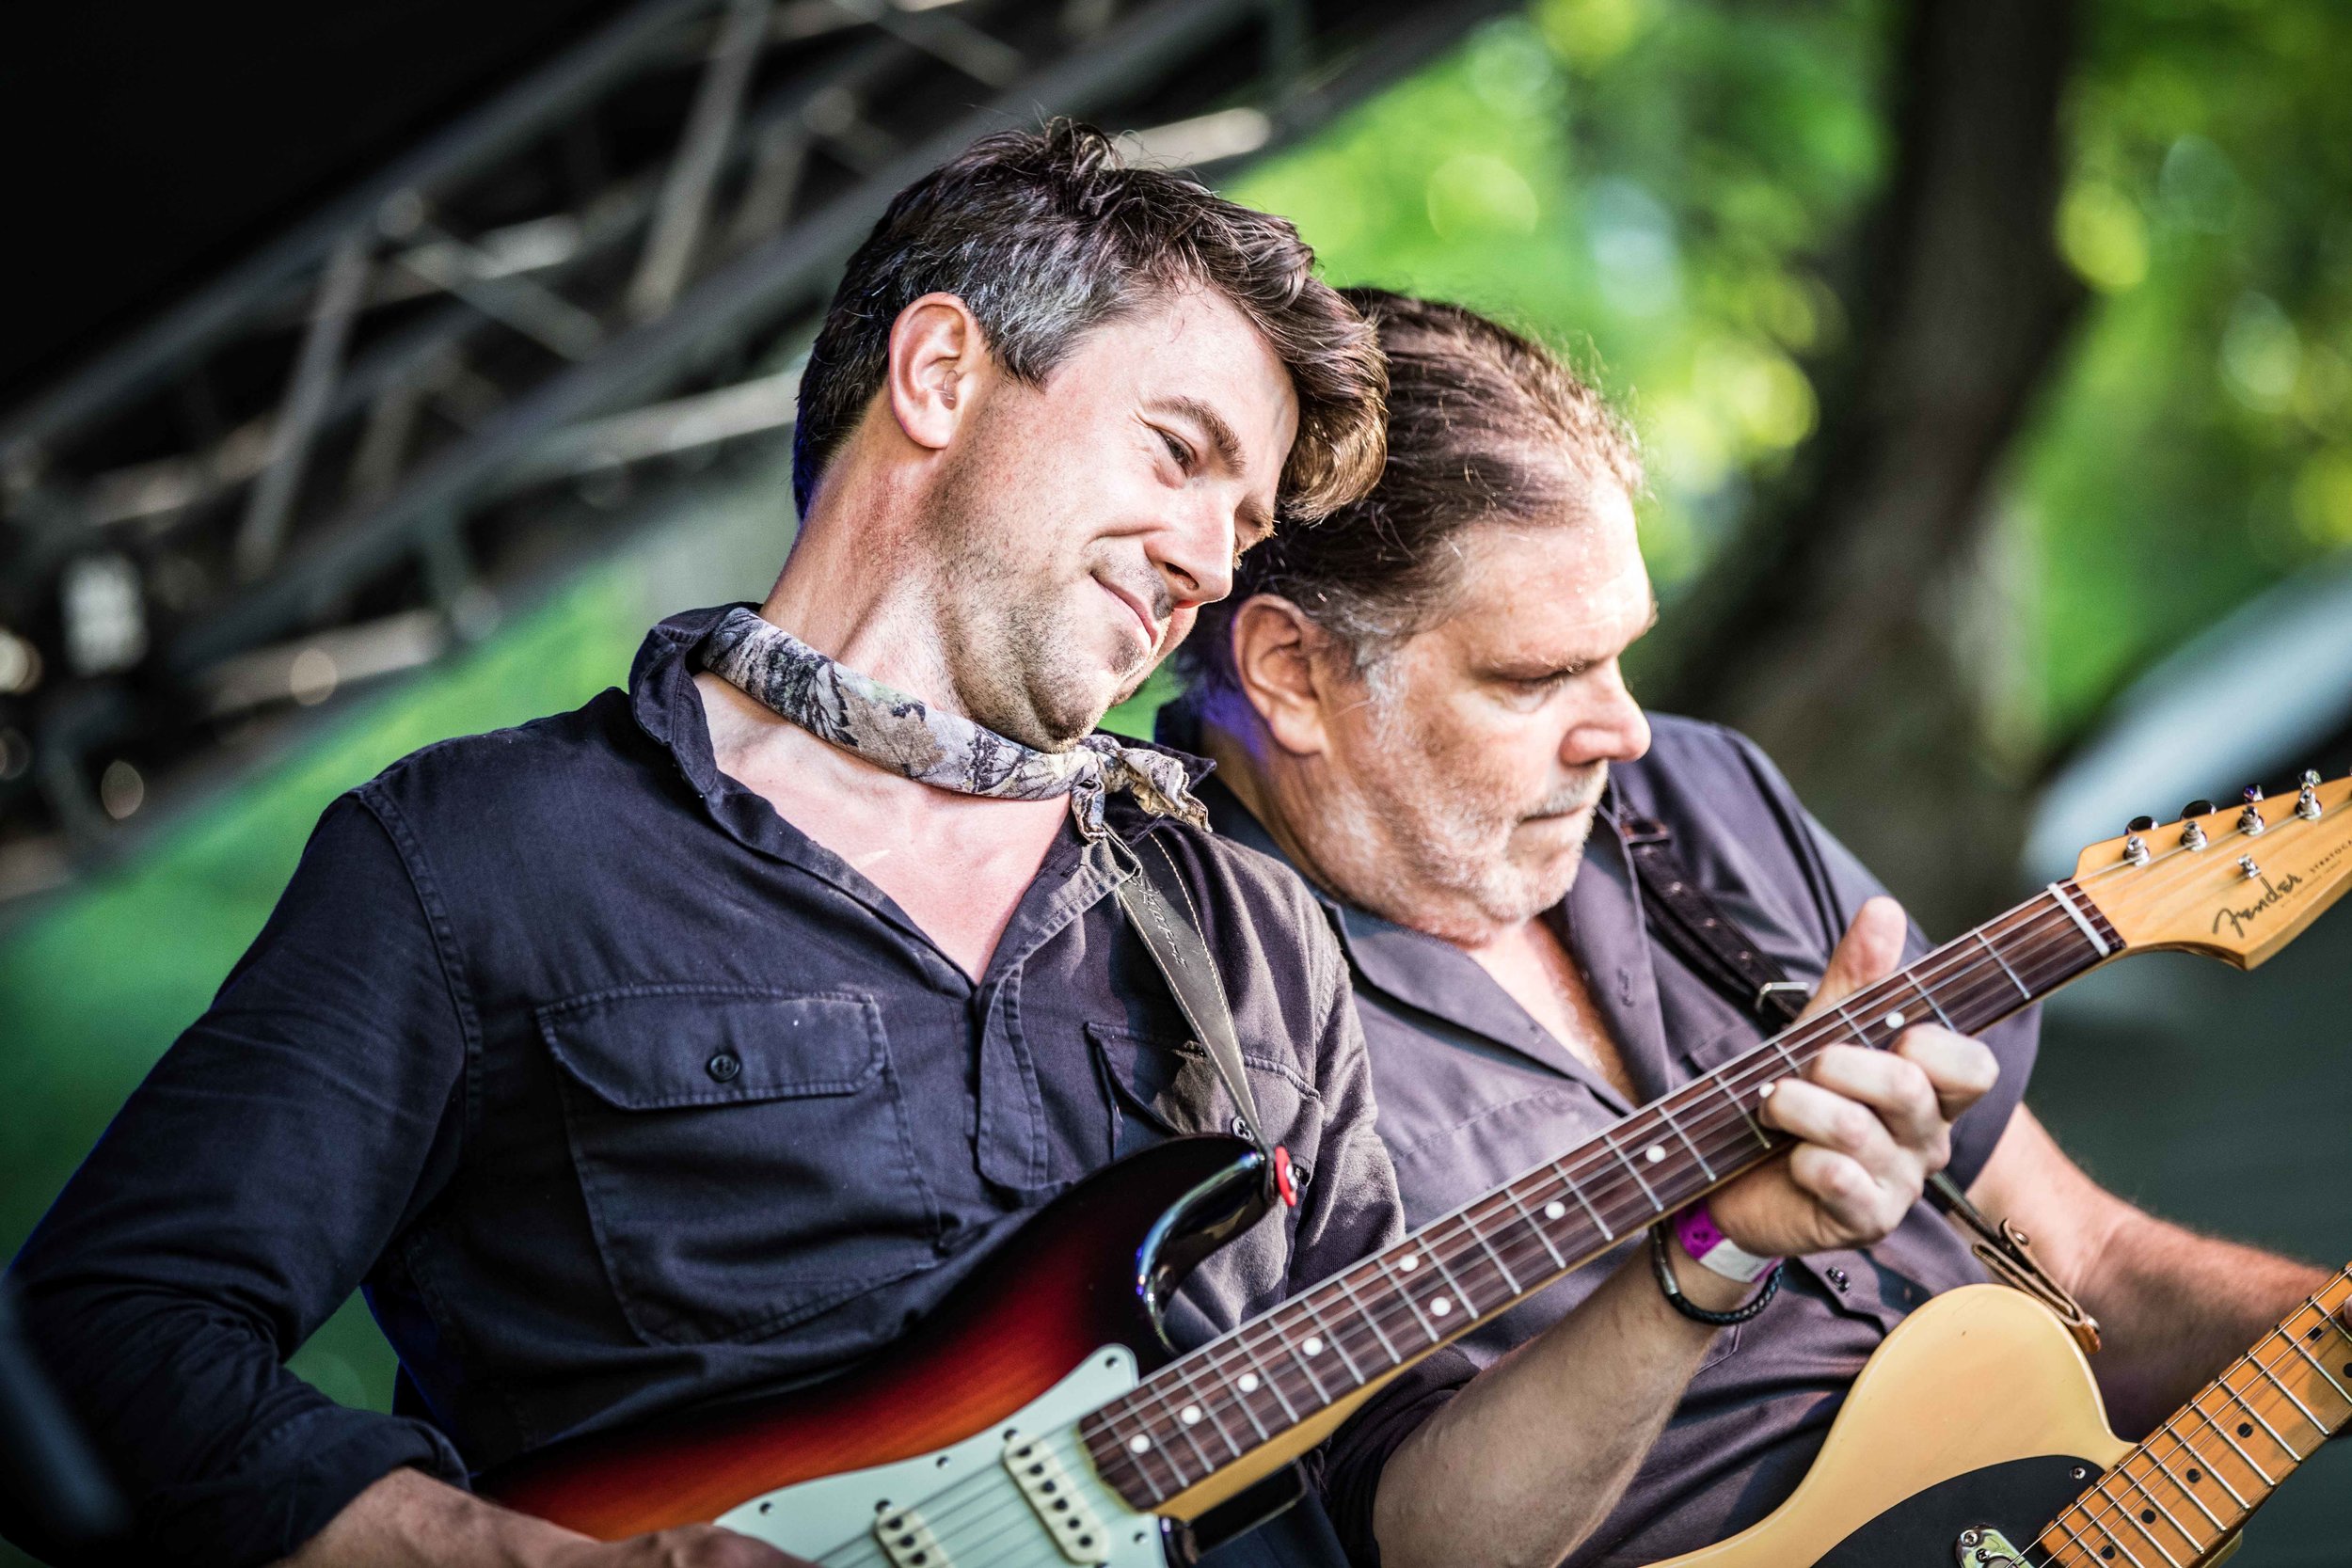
[1975,1438]
[1037,1418]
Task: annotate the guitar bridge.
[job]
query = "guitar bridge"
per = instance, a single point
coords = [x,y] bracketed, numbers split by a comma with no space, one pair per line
[1983,1547]
[1039,1474]
[908,1542]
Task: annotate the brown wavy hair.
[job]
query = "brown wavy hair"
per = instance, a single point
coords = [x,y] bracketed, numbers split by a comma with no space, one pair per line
[1047,234]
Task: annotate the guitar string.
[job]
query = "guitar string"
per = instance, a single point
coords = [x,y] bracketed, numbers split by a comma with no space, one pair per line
[2286,1333]
[1002,1506]
[2044,916]
[1597,1178]
[2040,917]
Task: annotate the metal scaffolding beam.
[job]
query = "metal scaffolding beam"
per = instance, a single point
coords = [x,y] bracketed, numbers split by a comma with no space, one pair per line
[354,437]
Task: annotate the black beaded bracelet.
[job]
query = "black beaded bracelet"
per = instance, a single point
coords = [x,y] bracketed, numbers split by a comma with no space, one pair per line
[1663,1266]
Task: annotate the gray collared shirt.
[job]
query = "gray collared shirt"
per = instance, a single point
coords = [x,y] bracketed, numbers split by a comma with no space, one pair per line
[1474,1092]
[617,1093]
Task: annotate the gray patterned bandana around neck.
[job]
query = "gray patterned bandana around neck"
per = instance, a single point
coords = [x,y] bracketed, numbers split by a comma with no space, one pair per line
[891,729]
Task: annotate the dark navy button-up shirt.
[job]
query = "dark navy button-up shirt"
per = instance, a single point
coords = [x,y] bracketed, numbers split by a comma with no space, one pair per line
[1475,1092]
[617,1092]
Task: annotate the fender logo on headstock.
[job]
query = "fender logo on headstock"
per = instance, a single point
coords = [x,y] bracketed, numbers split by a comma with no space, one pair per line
[2243,915]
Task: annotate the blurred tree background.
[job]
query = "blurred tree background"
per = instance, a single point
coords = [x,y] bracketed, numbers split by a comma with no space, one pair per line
[1982,352]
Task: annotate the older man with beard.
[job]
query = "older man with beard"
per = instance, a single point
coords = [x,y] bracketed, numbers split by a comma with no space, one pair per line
[1418,704]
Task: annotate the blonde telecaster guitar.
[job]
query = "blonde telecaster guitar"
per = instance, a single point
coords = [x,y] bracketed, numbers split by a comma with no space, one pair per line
[1975,1438]
[1039,1419]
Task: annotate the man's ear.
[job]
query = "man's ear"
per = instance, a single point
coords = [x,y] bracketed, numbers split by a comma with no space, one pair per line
[1282,661]
[938,356]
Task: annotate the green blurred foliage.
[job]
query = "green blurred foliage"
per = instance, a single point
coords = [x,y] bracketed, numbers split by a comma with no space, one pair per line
[1661,188]
[2199,444]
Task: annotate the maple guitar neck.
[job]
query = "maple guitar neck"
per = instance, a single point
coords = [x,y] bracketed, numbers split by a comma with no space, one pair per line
[1324,1348]
[2182,1495]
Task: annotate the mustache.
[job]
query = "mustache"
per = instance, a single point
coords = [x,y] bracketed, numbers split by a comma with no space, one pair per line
[1584,790]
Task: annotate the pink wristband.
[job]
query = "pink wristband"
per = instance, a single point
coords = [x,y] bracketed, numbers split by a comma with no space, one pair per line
[1715,1252]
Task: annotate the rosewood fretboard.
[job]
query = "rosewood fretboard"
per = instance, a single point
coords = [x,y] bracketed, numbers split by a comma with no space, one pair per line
[1284,1367]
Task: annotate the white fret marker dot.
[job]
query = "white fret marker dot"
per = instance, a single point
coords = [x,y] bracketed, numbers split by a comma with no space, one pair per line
[1189,1414]
[1248,1382]
[1139,1443]
[1312,1346]
[1654,1153]
[1440,1306]
[1894,1020]
[1555,1211]
[1407,1263]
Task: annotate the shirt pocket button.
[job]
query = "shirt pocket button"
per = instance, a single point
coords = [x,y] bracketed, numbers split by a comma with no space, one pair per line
[724,1066]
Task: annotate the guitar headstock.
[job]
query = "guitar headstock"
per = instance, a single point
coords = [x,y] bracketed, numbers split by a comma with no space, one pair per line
[2237,884]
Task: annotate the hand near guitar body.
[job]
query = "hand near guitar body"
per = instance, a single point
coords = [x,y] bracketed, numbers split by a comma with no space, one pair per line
[1531,1456]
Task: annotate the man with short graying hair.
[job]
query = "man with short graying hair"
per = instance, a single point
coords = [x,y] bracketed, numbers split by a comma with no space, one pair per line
[1417,702]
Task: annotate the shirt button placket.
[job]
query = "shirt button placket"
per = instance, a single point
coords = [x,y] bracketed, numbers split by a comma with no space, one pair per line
[724,1066]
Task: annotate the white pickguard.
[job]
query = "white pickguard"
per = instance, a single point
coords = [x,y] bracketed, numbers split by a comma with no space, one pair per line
[964,1495]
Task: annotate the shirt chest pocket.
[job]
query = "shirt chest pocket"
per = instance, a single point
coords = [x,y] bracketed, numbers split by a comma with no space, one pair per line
[1164,1089]
[746,1156]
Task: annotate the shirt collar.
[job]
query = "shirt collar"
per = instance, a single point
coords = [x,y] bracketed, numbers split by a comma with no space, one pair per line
[1601,920]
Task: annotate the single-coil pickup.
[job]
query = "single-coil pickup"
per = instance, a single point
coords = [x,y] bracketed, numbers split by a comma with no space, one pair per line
[1072,1525]
[908,1540]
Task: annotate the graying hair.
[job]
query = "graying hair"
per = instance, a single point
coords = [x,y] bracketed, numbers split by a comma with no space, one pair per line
[1484,427]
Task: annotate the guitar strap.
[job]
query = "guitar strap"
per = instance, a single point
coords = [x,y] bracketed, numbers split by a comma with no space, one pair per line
[1689,920]
[1159,906]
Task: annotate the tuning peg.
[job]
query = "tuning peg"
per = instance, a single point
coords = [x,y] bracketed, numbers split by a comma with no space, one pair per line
[2307,799]
[2253,793]
[2192,834]
[2250,821]
[2245,864]
[2140,824]
[2136,848]
[2198,808]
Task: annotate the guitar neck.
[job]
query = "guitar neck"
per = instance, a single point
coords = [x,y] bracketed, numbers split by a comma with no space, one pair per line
[1295,1362]
[2179,1496]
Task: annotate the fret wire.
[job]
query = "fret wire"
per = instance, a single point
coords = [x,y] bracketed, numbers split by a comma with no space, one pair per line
[1667,1115]
[1574,1192]
[1722,1087]
[1395,1358]
[1453,1283]
[1407,1297]
[1184,1429]
[1528,1214]
[2187,1490]
[2290,1451]
[1299,1355]
[1627,1162]
[2211,1469]
[2074,1536]
[2022,931]
[2294,1344]
[1208,1403]
[1510,1280]
[1331,1338]
[2317,1425]
[2123,1472]
[2093,1525]
[2133,1519]
[1928,997]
